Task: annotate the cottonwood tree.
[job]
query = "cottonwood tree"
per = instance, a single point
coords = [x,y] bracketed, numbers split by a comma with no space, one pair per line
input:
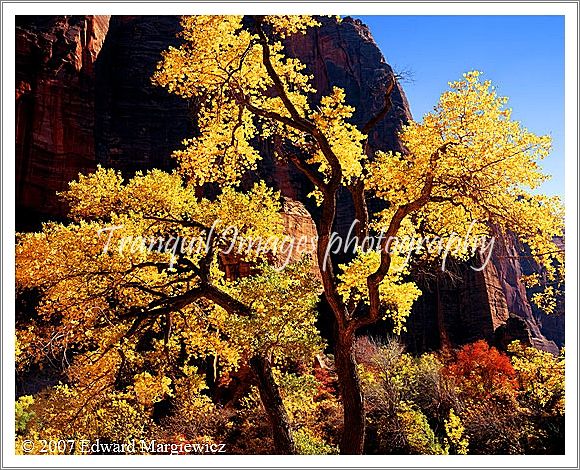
[467,167]
[133,297]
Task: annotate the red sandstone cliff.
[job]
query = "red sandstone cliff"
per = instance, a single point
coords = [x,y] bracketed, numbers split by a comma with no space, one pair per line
[55,79]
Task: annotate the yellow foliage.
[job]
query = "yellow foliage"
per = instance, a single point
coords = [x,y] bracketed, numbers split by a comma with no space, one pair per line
[221,65]
[474,166]
[467,167]
[344,138]
[284,302]
[541,376]
[398,296]
[418,434]
[151,389]
[286,25]
[456,434]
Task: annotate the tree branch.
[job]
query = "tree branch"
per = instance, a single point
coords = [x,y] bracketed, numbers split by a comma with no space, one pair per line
[368,127]
[329,203]
[304,168]
[374,280]
[267,60]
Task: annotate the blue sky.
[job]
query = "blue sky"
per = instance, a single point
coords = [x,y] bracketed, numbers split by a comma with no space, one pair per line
[522,55]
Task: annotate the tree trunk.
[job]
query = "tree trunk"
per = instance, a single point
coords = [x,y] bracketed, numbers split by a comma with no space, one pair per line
[353,433]
[444,342]
[272,401]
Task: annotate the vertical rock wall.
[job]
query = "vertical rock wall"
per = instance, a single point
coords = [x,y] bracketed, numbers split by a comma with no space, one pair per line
[55,80]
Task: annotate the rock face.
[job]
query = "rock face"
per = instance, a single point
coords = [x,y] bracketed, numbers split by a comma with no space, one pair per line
[552,326]
[55,82]
[509,258]
[464,305]
[84,97]
[300,228]
[137,124]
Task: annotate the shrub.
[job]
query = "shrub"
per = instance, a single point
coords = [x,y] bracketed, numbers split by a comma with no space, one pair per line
[407,398]
[309,444]
[456,442]
[23,413]
[541,378]
[496,427]
[483,372]
[417,434]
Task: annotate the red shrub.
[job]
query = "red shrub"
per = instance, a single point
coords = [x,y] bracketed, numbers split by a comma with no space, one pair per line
[327,383]
[483,372]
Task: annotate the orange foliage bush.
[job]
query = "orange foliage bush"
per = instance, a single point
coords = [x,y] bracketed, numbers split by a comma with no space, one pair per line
[482,371]
[326,383]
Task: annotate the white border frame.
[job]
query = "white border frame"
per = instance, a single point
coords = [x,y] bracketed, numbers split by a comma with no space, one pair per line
[567,9]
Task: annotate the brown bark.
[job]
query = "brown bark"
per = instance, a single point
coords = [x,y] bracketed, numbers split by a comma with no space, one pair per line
[353,433]
[272,401]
